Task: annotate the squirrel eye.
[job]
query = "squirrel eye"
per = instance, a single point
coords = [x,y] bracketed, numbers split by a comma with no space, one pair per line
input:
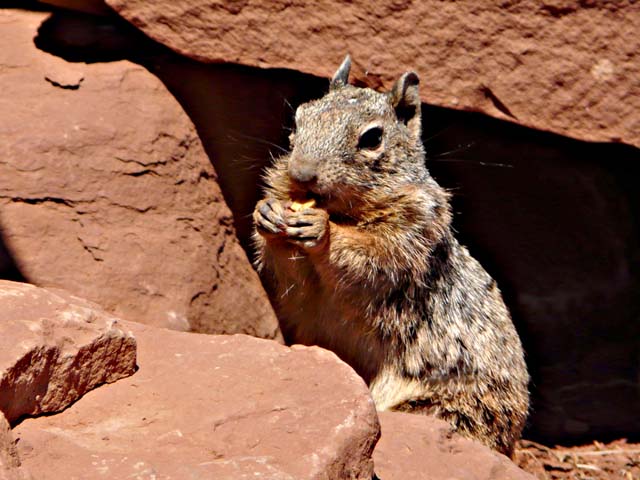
[371,139]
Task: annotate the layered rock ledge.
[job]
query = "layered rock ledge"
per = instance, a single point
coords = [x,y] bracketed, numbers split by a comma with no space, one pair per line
[228,407]
[54,348]
[562,66]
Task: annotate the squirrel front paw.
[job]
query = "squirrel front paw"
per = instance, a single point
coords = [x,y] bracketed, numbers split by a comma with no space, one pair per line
[307,228]
[269,217]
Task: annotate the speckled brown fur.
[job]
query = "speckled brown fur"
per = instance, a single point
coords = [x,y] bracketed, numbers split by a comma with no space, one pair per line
[374,273]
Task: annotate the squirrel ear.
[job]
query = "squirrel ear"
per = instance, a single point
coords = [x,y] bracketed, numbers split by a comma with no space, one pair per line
[341,77]
[405,98]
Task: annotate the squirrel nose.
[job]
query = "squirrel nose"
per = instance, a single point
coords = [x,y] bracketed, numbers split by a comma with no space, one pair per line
[303,172]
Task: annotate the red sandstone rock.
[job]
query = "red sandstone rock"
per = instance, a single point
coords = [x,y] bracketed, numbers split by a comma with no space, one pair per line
[415,447]
[10,465]
[54,348]
[8,452]
[223,407]
[95,7]
[559,65]
[106,191]
[9,461]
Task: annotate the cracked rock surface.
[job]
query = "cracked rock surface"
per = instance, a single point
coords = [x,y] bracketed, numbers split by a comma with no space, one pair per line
[106,191]
[202,406]
[54,348]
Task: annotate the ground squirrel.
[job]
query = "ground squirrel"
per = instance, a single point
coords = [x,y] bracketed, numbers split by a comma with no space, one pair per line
[354,237]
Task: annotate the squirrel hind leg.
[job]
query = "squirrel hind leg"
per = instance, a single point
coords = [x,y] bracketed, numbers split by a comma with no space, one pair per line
[471,417]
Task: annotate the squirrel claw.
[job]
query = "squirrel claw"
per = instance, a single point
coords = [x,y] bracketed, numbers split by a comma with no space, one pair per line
[308,228]
[269,217]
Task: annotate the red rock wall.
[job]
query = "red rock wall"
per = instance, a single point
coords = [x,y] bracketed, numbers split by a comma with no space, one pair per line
[566,66]
[105,190]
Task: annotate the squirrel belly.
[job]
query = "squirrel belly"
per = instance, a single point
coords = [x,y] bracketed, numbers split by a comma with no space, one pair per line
[368,267]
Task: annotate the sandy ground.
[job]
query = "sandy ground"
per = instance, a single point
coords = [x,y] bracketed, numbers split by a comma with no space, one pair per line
[617,460]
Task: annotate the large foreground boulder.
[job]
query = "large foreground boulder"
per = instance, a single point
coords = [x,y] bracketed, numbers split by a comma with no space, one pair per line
[563,66]
[223,407]
[201,406]
[54,348]
[106,191]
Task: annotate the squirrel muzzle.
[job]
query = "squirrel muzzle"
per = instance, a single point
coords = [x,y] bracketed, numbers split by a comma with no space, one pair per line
[303,171]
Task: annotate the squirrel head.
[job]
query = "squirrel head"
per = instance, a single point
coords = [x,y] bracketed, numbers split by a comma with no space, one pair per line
[355,141]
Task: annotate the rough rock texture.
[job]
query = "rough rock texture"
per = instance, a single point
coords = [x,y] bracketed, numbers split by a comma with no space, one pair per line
[54,348]
[560,65]
[223,407]
[10,466]
[105,190]
[415,447]
[9,459]
[8,452]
